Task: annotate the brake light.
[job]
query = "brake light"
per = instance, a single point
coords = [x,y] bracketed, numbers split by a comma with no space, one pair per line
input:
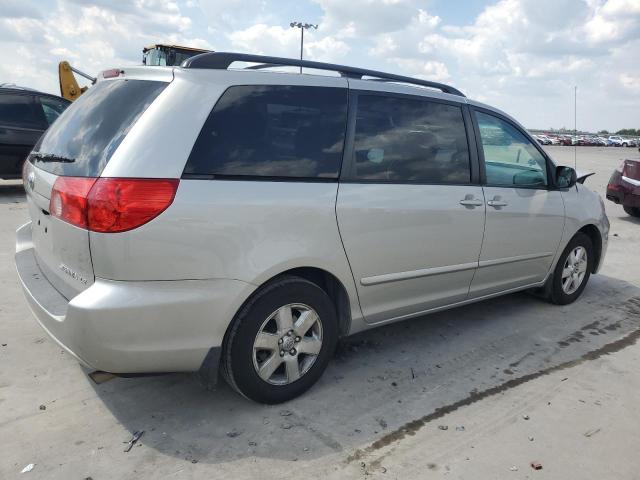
[110,205]
[69,199]
[121,204]
[25,169]
[112,73]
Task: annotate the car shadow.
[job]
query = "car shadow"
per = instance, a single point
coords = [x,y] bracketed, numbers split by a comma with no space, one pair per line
[11,191]
[630,219]
[379,380]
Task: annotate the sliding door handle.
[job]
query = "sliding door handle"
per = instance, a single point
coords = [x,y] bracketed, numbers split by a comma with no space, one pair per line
[471,202]
[497,203]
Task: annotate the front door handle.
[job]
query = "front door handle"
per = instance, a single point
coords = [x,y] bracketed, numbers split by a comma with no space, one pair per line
[469,201]
[497,202]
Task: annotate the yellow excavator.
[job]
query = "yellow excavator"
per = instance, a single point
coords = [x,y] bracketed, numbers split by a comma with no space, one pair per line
[69,87]
[153,55]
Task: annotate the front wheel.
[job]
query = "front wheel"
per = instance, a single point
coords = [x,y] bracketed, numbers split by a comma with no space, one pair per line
[633,211]
[281,341]
[572,272]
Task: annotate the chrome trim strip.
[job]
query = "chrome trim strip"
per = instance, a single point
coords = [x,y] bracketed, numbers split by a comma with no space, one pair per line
[424,272]
[519,258]
[459,304]
[635,183]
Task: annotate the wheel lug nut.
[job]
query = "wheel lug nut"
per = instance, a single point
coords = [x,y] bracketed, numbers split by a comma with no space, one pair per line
[297,339]
[289,333]
[282,353]
[292,351]
[279,341]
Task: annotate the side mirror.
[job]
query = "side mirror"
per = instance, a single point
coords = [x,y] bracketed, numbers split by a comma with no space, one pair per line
[566,177]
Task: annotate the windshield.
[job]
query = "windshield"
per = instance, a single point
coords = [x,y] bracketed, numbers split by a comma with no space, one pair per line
[82,140]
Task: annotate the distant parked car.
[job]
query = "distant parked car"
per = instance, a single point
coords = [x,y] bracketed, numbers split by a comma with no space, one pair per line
[24,115]
[565,140]
[543,139]
[595,141]
[617,141]
[624,187]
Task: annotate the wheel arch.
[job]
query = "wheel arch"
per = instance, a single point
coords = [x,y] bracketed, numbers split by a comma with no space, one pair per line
[596,240]
[334,288]
[324,279]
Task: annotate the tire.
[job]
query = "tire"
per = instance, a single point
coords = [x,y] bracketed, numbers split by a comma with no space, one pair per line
[558,292]
[633,211]
[243,359]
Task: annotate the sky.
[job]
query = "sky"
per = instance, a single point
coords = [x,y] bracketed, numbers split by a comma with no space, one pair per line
[522,56]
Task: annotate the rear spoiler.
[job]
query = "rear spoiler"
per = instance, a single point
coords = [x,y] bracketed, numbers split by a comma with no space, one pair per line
[162,74]
[582,176]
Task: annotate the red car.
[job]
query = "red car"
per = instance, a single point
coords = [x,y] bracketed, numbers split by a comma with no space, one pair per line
[624,187]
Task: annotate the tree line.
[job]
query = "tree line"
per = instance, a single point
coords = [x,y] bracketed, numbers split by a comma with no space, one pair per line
[632,132]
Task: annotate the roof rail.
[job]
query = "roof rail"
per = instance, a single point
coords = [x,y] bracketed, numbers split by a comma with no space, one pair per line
[222,60]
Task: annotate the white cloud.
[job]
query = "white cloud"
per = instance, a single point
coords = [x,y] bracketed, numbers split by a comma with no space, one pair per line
[519,55]
[285,42]
[93,36]
[265,39]
[367,17]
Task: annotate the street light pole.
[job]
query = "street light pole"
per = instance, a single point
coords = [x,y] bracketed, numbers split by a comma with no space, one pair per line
[575,126]
[302,27]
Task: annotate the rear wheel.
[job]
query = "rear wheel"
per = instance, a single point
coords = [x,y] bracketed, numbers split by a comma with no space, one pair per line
[572,271]
[633,211]
[281,341]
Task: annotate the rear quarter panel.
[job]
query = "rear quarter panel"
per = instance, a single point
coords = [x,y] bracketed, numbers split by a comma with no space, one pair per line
[242,230]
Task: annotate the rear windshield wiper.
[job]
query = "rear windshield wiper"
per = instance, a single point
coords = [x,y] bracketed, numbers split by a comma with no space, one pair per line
[49,157]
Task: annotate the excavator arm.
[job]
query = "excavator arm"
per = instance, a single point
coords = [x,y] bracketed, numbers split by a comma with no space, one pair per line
[69,87]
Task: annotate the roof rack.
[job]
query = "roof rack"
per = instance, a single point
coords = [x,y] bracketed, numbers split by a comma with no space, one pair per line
[222,60]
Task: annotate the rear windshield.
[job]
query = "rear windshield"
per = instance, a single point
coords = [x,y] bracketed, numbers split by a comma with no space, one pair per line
[273,131]
[82,140]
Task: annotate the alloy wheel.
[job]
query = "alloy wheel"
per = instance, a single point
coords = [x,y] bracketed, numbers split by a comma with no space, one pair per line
[287,344]
[575,269]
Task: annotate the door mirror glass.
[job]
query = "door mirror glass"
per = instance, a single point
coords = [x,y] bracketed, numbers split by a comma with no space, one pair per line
[566,177]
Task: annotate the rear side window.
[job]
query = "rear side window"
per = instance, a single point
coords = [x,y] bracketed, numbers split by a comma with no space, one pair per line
[20,111]
[273,131]
[85,135]
[409,140]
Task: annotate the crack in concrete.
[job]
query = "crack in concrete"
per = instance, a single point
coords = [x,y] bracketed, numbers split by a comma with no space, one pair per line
[631,306]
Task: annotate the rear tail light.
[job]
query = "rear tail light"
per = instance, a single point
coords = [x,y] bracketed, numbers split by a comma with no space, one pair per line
[25,172]
[110,205]
[69,200]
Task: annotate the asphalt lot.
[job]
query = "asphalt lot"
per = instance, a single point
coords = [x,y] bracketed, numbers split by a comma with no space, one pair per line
[570,370]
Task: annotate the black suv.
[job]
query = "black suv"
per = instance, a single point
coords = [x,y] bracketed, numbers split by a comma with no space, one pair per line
[24,115]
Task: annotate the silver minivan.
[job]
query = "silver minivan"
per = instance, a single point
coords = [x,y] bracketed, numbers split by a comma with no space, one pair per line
[241,221]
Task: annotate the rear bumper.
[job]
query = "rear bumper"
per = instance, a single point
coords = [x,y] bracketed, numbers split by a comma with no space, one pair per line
[622,195]
[132,327]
